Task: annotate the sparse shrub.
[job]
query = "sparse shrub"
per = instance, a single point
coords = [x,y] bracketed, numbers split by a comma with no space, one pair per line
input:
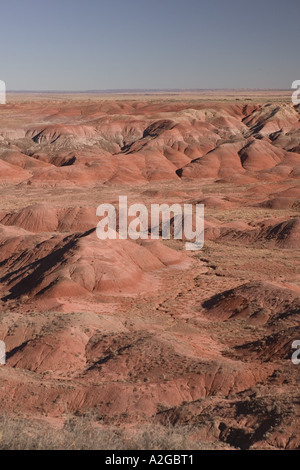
[82,433]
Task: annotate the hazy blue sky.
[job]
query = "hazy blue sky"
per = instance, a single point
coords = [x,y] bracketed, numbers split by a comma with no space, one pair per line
[109,44]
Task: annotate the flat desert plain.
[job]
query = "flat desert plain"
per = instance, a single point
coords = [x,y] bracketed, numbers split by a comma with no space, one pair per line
[138,335]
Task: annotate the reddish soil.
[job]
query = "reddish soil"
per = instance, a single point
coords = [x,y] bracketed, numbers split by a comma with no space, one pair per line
[145,330]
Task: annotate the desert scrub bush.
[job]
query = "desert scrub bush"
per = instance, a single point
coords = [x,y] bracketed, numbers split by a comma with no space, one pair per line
[79,433]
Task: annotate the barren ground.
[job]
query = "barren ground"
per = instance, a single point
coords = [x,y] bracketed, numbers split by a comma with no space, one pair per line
[147,332]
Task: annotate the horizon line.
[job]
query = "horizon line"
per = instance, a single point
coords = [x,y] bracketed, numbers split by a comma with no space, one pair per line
[148,90]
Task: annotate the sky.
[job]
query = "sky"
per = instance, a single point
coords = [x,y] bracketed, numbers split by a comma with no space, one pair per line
[74,45]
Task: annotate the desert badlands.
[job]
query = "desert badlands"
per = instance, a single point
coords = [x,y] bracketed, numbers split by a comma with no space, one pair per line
[136,333]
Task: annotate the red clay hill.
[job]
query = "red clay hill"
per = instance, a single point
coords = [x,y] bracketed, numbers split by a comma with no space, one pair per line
[145,331]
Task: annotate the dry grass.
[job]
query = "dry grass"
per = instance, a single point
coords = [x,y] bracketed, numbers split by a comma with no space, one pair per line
[82,434]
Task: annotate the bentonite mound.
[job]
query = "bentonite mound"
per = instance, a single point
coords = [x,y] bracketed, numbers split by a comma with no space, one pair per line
[131,332]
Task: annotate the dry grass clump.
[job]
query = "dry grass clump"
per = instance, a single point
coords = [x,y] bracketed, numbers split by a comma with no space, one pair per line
[82,434]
